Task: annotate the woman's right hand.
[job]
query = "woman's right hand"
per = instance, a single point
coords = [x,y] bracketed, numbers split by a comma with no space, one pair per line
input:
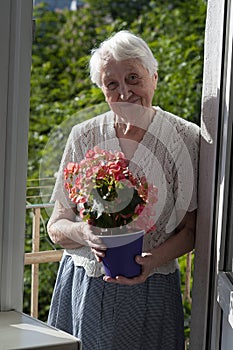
[69,234]
[82,232]
[99,253]
[64,230]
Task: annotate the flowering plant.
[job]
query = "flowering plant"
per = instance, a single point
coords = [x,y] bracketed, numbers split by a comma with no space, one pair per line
[107,194]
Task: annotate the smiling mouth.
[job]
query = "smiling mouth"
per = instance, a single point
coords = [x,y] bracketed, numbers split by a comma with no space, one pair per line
[134,100]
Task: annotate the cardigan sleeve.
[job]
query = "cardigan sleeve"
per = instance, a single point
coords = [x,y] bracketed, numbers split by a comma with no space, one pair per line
[186,162]
[72,153]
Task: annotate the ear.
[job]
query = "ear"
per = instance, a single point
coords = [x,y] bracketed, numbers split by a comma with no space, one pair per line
[155,80]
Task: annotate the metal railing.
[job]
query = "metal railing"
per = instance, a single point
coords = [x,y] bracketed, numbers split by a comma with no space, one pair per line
[36,257]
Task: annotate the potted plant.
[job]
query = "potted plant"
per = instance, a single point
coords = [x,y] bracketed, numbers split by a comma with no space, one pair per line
[120,206]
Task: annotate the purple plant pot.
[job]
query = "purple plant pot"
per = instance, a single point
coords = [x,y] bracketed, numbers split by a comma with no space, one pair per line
[120,255]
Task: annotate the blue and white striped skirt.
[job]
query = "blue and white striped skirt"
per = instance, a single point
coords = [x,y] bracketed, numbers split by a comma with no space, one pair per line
[107,316]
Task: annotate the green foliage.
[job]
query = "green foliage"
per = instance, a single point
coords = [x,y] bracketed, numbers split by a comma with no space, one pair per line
[175,34]
[60,84]
[186,302]
[62,94]
[125,10]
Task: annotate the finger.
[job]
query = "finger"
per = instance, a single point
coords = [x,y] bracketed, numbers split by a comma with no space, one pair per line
[130,281]
[109,279]
[94,241]
[99,259]
[97,246]
[98,252]
[139,259]
[143,259]
[124,280]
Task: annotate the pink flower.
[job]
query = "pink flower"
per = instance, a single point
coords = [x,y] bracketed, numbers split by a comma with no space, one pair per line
[120,155]
[90,154]
[72,168]
[102,172]
[152,194]
[81,213]
[115,169]
[143,191]
[89,172]
[67,186]
[80,200]
[97,184]
[133,180]
[138,209]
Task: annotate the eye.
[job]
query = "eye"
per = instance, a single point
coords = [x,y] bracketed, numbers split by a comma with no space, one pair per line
[132,78]
[111,85]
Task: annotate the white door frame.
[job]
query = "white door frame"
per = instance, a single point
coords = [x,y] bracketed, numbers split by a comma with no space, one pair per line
[15,67]
[213,177]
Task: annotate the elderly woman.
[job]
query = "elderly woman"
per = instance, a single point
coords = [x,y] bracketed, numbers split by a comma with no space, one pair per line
[143,312]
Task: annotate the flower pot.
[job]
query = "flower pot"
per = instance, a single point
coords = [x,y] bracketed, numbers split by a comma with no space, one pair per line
[120,255]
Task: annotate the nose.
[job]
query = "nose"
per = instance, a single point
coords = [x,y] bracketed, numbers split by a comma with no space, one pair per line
[124,91]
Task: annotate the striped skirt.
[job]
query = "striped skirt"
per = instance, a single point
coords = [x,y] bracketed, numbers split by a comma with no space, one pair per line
[107,316]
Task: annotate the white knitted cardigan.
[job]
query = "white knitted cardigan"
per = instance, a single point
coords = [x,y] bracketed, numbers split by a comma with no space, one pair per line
[167,155]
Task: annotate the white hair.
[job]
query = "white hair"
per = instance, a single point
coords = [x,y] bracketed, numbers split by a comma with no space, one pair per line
[121,46]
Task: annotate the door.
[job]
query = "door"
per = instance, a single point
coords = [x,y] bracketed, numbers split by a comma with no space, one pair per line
[212,319]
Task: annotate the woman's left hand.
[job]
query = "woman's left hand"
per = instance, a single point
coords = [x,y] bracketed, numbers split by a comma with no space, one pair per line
[145,261]
[177,245]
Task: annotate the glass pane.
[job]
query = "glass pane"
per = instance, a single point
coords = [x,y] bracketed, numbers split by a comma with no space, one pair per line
[229,225]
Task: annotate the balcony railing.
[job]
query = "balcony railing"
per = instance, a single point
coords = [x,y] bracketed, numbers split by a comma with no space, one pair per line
[36,257]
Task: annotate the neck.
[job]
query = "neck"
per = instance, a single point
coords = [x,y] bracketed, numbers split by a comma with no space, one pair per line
[124,127]
[127,124]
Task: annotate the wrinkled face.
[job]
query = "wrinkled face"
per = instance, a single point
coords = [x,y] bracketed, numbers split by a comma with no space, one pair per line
[128,81]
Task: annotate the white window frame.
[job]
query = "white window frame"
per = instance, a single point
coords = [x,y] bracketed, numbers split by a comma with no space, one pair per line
[15,63]
[15,66]
[17,330]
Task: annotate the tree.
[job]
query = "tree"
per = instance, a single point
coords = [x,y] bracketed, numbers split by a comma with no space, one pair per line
[125,10]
